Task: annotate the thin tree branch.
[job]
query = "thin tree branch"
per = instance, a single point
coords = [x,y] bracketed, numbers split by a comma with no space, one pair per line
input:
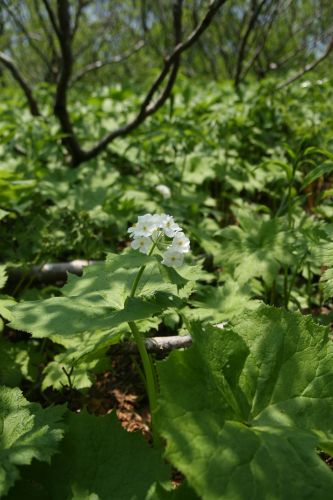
[11,66]
[31,42]
[62,27]
[241,51]
[308,67]
[69,140]
[99,30]
[206,53]
[262,43]
[293,53]
[81,5]
[52,17]
[143,16]
[177,22]
[223,53]
[44,26]
[101,64]
[147,107]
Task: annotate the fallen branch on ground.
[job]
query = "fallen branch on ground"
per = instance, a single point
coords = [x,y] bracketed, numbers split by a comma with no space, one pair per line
[49,273]
[162,344]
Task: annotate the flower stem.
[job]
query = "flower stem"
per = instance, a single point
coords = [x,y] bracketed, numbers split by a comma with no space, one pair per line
[147,362]
[136,281]
[149,375]
[141,271]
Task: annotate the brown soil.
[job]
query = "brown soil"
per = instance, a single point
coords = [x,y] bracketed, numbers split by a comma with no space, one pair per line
[121,389]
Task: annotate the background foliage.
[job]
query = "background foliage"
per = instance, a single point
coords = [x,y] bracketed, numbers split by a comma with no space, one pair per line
[242,138]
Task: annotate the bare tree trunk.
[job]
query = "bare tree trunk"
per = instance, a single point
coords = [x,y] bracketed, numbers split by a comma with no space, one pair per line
[64,29]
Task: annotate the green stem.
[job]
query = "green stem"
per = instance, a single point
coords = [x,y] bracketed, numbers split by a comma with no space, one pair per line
[149,374]
[286,298]
[273,293]
[293,278]
[147,362]
[136,281]
[309,287]
[291,182]
[141,270]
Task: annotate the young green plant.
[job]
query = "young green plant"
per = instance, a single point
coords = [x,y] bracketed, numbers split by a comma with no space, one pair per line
[152,232]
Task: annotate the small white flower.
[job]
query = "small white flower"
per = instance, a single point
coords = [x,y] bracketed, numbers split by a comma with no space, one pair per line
[142,243]
[164,191]
[172,258]
[157,220]
[169,226]
[145,226]
[180,243]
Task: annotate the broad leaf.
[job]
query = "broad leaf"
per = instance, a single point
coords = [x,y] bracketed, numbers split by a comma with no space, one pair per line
[98,300]
[216,304]
[112,279]
[27,431]
[98,460]
[257,249]
[62,318]
[244,410]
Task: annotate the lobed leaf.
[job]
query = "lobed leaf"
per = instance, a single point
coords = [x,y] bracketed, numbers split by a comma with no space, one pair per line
[97,460]
[258,248]
[216,304]
[244,410]
[62,317]
[27,431]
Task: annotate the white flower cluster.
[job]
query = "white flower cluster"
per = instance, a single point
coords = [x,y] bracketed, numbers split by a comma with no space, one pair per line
[149,229]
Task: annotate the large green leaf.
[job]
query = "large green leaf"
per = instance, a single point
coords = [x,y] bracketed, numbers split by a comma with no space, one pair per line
[62,317]
[112,279]
[98,300]
[98,460]
[244,410]
[27,431]
[216,304]
[258,248]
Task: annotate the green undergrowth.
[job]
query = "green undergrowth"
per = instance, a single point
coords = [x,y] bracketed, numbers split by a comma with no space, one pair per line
[247,410]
